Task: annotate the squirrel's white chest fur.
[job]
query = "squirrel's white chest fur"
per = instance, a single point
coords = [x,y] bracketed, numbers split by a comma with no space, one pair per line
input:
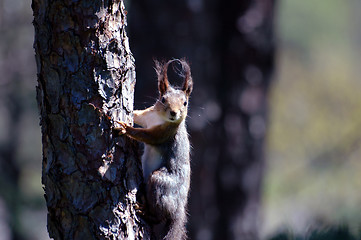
[147,118]
[153,119]
[151,159]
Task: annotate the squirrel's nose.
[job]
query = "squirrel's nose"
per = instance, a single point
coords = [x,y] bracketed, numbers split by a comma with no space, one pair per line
[172,113]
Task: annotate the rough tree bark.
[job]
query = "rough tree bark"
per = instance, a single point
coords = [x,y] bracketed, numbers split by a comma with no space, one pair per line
[85,73]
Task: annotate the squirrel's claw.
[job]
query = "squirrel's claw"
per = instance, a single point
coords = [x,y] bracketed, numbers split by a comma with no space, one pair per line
[122,129]
[139,208]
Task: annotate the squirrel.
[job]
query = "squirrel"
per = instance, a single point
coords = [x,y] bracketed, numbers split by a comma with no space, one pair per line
[166,157]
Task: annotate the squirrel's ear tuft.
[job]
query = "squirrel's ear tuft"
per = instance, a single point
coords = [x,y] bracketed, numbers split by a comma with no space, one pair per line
[188,81]
[161,70]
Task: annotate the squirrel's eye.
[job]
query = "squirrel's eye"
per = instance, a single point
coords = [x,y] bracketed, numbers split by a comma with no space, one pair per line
[163,100]
[185,103]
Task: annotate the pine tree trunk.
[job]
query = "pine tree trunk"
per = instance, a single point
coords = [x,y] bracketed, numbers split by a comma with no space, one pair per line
[85,74]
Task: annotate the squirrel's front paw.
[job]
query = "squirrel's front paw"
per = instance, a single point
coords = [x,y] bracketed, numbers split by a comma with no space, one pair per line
[139,208]
[122,129]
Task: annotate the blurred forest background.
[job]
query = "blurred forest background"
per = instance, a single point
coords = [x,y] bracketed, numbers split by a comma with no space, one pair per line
[313,157]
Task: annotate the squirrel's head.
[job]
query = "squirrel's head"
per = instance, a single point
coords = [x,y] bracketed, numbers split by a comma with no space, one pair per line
[173,102]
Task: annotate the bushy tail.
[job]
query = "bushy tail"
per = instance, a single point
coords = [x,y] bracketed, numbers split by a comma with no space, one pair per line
[176,230]
[170,230]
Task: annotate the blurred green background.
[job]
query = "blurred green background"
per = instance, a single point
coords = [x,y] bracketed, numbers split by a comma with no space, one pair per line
[314,141]
[313,173]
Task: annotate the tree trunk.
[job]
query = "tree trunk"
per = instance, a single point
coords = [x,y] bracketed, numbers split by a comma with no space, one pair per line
[243,97]
[231,49]
[85,74]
